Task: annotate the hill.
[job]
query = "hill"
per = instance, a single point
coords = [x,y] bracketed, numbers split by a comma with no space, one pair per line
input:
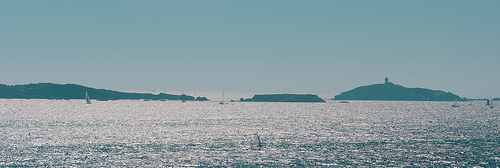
[73,91]
[390,91]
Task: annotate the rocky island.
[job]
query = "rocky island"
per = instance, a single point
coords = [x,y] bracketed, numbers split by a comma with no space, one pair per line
[73,91]
[284,98]
[391,91]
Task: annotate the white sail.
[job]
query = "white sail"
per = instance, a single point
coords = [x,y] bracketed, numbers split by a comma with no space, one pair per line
[222,101]
[258,140]
[87,98]
[455,104]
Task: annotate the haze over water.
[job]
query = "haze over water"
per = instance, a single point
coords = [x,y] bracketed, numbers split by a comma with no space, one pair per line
[173,133]
[253,46]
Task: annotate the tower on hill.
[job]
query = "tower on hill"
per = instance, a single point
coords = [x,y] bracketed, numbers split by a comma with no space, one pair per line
[386,80]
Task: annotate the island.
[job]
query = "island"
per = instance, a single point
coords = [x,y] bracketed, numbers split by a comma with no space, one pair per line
[74,91]
[284,98]
[391,91]
[201,99]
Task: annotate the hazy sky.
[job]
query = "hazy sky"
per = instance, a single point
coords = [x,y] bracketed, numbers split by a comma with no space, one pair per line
[253,46]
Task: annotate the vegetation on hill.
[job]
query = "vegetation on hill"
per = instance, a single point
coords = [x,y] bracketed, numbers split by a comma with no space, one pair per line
[285,98]
[390,91]
[73,91]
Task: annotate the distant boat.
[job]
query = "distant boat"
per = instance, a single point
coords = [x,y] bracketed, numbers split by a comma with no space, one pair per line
[489,103]
[258,140]
[344,102]
[455,104]
[222,101]
[87,98]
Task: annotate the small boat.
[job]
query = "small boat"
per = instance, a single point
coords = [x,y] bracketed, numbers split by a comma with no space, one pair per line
[258,140]
[87,98]
[222,101]
[344,102]
[489,103]
[455,104]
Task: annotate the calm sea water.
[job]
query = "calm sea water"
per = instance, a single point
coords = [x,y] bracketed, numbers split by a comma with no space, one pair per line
[204,134]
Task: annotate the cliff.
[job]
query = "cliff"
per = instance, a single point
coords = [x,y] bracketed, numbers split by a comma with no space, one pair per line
[73,91]
[390,91]
[285,98]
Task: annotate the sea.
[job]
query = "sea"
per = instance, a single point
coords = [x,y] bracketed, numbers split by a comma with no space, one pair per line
[138,133]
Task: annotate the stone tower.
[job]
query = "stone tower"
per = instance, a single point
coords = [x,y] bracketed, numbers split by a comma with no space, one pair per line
[386,80]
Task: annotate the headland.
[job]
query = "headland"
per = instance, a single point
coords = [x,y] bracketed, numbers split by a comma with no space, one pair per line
[74,91]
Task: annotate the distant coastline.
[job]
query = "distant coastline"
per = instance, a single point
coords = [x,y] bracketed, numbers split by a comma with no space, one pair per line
[74,91]
[385,91]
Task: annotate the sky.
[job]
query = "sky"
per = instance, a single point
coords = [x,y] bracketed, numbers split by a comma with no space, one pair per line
[324,47]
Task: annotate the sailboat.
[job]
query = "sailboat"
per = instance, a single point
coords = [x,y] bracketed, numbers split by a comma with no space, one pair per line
[87,98]
[258,140]
[470,103]
[455,104]
[222,101]
[489,103]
